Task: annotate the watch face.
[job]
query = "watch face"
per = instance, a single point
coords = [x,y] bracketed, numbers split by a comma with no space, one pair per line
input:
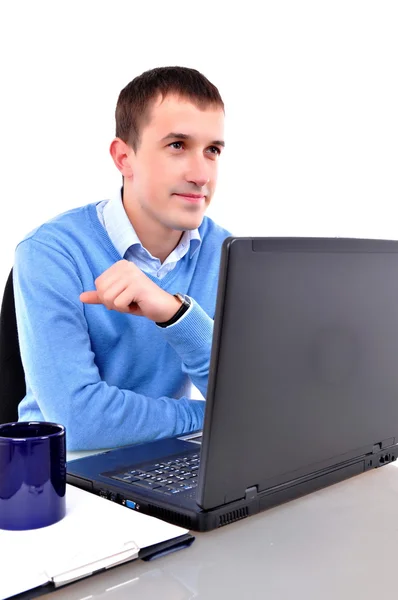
[184,299]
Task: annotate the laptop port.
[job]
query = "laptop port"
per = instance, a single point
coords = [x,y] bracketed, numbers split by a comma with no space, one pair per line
[132,504]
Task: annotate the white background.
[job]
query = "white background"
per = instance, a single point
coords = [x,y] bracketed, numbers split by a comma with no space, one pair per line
[311,95]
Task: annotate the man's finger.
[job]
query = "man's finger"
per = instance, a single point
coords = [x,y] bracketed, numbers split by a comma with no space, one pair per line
[90,298]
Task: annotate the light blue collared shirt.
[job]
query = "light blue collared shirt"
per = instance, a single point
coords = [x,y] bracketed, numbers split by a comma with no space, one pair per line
[113,217]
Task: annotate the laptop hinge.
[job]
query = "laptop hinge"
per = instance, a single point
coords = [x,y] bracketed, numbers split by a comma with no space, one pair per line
[251,493]
[383,444]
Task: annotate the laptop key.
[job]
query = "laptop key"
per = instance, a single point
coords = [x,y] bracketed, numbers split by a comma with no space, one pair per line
[147,484]
[172,490]
[127,478]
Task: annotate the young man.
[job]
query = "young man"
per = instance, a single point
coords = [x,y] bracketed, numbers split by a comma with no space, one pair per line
[115,300]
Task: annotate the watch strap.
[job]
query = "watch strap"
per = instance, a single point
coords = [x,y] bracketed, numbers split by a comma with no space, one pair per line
[185,304]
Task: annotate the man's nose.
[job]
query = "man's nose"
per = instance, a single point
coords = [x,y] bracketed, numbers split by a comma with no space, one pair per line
[198,172]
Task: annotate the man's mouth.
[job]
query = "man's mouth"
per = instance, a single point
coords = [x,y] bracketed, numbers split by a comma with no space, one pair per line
[191,197]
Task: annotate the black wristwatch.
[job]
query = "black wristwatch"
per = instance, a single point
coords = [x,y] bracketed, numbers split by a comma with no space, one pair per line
[186,303]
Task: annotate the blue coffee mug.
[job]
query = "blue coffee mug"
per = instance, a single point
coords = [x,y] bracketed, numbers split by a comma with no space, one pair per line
[32,474]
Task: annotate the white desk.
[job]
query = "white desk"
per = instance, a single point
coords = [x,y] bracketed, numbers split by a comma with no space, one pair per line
[336,544]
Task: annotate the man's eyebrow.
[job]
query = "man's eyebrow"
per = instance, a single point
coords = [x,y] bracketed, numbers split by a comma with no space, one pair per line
[184,136]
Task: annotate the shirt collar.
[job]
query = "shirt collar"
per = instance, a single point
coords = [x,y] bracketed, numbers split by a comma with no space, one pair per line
[123,235]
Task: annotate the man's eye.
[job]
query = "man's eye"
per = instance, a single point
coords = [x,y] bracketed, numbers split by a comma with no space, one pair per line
[176,145]
[215,150]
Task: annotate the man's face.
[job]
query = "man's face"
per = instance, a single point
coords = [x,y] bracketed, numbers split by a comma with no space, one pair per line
[174,170]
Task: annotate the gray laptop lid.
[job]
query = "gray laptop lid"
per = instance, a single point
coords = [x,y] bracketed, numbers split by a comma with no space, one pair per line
[305,361]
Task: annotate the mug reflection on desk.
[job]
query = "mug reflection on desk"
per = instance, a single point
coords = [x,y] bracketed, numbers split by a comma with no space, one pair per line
[32,474]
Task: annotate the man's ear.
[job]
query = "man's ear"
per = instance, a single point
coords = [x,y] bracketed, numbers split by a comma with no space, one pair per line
[121,154]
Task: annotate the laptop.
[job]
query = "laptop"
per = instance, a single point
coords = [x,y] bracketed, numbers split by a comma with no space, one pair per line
[302,392]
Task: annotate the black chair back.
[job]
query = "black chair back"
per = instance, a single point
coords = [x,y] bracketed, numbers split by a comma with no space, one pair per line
[12,376]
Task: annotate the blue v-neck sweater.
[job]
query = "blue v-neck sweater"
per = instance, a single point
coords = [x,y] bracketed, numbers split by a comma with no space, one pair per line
[112,379]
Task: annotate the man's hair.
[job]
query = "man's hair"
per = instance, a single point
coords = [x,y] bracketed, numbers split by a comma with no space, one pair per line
[136,99]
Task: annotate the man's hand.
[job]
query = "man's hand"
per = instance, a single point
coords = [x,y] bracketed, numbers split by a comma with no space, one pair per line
[125,288]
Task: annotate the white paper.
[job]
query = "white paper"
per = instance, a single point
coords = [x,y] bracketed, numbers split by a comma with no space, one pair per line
[20,581]
[94,534]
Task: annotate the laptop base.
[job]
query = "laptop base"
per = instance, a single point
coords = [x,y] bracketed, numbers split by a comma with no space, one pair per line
[186,513]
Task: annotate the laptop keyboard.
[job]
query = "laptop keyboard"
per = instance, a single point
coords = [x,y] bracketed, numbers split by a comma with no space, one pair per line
[169,477]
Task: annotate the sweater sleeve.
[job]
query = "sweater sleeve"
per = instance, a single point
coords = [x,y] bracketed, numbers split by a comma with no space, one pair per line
[60,367]
[191,337]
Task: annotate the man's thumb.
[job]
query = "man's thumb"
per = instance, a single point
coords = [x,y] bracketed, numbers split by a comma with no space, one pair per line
[90,298]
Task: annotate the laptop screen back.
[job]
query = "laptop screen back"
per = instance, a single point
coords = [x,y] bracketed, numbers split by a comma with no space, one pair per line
[305,361]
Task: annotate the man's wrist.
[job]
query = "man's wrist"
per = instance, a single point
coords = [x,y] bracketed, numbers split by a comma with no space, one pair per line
[184,305]
[169,308]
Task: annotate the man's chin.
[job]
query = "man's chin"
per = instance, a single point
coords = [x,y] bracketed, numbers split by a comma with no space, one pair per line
[187,224]
[185,220]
